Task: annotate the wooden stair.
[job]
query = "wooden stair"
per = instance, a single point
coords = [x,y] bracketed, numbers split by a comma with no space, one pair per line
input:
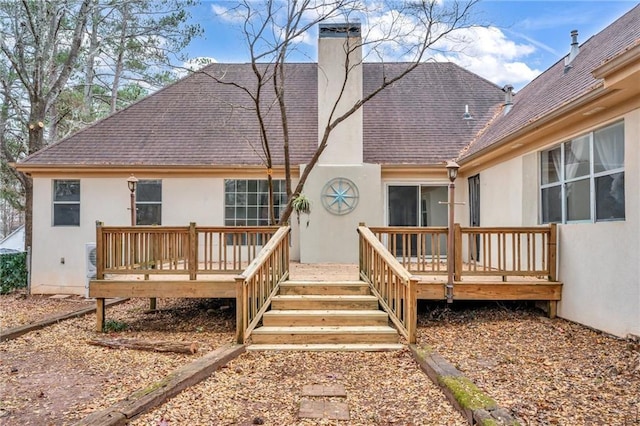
[325,316]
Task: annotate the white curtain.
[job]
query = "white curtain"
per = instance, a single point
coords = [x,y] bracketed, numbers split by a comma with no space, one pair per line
[609,148]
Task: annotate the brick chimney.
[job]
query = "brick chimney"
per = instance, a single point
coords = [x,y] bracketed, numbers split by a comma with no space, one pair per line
[340,58]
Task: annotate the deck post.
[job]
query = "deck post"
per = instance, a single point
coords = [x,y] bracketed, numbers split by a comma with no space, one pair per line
[99,251]
[100,313]
[360,250]
[457,252]
[193,251]
[240,325]
[412,321]
[551,252]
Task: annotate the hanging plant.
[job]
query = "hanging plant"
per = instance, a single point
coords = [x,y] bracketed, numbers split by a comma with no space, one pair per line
[301,205]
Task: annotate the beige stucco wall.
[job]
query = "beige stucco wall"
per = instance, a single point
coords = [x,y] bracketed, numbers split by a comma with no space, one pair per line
[599,263]
[332,238]
[106,199]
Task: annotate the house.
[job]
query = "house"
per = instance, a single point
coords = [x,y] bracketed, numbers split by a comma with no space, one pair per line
[14,241]
[558,151]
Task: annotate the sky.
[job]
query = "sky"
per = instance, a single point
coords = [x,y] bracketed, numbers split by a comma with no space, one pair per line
[518,39]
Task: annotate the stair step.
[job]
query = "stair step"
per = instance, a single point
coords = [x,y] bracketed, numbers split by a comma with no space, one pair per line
[329,334]
[329,347]
[315,302]
[326,317]
[324,287]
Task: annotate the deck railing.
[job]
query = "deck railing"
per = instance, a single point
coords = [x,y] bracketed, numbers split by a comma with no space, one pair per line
[420,250]
[487,251]
[182,250]
[257,285]
[506,251]
[392,284]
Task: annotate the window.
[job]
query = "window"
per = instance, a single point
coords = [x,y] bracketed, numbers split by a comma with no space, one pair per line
[583,179]
[66,203]
[149,202]
[246,202]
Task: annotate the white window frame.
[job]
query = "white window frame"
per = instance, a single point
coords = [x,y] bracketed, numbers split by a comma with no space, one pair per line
[154,202]
[233,221]
[591,177]
[64,202]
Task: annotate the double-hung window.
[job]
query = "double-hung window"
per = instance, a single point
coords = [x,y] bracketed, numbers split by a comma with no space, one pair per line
[583,179]
[66,203]
[149,202]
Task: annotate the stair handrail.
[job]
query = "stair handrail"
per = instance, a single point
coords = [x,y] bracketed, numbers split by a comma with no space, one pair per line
[260,281]
[390,282]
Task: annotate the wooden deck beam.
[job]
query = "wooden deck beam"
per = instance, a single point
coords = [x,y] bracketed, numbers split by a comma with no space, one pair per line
[492,291]
[162,289]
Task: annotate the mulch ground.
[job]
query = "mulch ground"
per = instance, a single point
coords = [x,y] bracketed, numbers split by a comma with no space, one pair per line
[545,371]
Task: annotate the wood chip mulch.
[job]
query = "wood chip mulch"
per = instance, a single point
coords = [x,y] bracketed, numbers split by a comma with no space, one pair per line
[383,388]
[547,372]
[54,376]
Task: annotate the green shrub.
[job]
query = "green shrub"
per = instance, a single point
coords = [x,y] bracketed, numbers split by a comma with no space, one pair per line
[115,326]
[13,271]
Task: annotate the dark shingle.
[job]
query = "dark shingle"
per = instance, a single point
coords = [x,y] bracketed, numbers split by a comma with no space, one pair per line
[198,121]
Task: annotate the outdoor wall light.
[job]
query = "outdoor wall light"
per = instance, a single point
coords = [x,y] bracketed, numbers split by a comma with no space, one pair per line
[452,170]
[133,181]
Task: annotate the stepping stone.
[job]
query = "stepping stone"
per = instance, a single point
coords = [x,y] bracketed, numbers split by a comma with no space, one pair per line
[331,410]
[324,390]
[60,296]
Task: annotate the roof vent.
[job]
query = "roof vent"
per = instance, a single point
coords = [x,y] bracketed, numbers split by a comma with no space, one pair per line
[508,98]
[467,115]
[575,49]
[343,30]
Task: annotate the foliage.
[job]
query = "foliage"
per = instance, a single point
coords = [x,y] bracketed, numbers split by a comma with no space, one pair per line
[301,205]
[115,326]
[13,272]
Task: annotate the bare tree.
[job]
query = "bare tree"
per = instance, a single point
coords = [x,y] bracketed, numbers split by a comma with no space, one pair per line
[65,63]
[42,49]
[409,30]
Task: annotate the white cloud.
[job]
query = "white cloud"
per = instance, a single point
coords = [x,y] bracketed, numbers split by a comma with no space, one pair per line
[488,52]
[231,15]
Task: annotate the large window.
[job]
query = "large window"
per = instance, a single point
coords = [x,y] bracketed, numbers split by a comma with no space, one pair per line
[149,202]
[246,202]
[583,179]
[66,203]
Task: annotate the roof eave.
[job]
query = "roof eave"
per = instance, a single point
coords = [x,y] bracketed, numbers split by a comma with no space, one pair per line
[596,92]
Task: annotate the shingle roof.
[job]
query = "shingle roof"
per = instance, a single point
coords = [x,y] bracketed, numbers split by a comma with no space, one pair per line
[554,88]
[200,122]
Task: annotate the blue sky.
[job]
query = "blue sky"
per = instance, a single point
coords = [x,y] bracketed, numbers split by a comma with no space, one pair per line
[520,38]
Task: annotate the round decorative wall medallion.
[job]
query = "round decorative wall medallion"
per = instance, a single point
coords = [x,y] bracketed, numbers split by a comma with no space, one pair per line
[340,196]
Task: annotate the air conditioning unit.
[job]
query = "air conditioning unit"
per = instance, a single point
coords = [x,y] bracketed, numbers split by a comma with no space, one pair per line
[91,265]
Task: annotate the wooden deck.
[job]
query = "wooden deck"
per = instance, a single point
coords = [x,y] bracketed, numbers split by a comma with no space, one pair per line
[401,265]
[429,287]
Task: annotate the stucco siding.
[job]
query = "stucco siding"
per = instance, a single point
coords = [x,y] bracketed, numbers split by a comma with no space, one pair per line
[501,195]
[599,263]
[58,253]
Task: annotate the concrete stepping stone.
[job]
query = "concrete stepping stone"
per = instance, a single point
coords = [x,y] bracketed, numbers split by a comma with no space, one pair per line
[319,409]
[324,390]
